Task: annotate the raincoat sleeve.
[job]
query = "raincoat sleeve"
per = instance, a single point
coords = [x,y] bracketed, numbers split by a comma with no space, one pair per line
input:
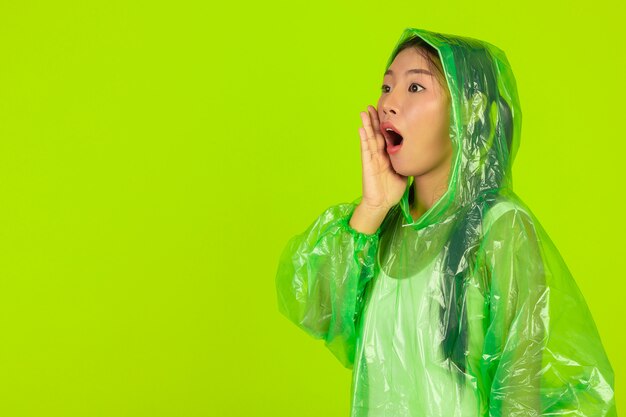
[542,353]
[321,277]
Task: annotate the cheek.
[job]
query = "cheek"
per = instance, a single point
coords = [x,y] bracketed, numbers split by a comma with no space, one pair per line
[429,123]
[429,148]
[430,134]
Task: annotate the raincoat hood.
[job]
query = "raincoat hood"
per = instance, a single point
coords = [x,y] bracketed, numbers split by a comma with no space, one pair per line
[485,122]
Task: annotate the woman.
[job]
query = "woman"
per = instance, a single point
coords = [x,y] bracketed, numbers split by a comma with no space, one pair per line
[438,286]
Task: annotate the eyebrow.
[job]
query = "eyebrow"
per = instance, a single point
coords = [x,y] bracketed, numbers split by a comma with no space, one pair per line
[412,70]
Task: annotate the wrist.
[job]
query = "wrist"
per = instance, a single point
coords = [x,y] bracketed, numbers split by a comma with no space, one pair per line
[372,212]
[367,220]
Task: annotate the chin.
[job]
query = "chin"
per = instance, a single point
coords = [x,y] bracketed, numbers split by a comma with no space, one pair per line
[403,170]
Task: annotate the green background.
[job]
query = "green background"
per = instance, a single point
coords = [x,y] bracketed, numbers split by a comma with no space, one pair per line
[155,158]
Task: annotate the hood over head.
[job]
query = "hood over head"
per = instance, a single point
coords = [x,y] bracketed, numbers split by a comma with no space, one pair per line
[485,122]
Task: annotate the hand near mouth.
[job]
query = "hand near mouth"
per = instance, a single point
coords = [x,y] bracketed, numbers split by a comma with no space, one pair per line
[382,186]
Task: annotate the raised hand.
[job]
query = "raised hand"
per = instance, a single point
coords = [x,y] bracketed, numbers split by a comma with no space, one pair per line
[382,186]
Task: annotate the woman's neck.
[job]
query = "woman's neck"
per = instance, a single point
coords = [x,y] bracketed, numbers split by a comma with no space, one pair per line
[428,189]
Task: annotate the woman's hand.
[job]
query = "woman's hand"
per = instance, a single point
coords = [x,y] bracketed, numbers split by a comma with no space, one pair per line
[382,186]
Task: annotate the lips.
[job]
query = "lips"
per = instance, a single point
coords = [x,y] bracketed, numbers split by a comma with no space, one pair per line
[391,134]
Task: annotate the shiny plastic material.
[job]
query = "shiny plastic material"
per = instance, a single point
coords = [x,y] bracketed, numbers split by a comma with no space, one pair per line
[469,310]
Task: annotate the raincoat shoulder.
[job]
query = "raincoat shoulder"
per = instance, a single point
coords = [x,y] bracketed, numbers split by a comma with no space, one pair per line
[542,353]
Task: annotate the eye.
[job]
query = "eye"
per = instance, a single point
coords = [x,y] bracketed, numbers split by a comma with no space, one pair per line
[415,84]
[385,88]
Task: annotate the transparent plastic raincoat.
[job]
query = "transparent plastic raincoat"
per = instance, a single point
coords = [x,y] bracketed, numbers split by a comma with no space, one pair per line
[469,310]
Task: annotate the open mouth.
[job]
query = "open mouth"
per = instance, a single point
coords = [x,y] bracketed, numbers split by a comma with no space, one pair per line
[394,138]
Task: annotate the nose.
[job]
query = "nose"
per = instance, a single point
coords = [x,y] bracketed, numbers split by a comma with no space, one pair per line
[388,103]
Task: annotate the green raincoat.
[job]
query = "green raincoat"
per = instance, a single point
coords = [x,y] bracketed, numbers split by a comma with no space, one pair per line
[469,310]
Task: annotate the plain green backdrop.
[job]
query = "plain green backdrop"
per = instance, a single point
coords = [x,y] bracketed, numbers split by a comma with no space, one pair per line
[156,157]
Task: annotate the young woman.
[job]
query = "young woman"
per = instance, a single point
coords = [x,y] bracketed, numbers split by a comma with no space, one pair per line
[438,286]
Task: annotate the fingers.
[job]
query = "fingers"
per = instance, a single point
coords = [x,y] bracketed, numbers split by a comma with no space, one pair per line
[380,140]
[367,137]
[377,141]
[367,124]
[374,116]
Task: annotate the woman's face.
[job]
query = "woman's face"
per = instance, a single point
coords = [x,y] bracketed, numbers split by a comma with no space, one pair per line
[419,108]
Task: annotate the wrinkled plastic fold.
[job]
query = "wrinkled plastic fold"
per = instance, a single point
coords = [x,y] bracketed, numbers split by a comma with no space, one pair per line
[323,275]
[469,310]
